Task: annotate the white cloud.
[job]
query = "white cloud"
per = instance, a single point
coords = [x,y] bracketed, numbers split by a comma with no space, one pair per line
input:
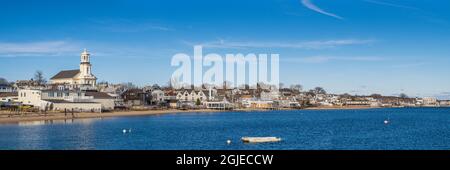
[409,65]
[308,4]
[297,45]
[41,48]
[128,26]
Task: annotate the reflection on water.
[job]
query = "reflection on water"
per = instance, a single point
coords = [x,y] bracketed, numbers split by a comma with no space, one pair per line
[409,128]
[57,121]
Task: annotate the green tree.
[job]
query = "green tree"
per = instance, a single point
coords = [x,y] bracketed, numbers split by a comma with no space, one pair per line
[198,102]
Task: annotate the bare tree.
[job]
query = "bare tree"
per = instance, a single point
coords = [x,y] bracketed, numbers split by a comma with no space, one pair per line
[39,77]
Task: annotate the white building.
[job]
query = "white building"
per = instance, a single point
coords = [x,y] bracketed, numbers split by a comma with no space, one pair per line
[270,95]
[220,105]
[60,100]
[77,78]
[257,104]
[430,101]
[288,103]
[107,102]
[192,95]
[158,96]
[33,98]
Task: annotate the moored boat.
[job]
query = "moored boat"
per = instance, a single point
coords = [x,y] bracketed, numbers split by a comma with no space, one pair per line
[260,139]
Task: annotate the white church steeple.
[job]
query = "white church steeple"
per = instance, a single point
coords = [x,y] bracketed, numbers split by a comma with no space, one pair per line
[85,65]
[86,75]
[85,56]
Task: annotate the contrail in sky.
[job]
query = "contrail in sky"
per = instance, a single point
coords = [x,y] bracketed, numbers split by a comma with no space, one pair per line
[390,4]
[308,4]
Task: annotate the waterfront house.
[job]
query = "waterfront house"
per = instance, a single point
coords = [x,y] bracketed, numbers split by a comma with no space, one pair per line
[69,106]
[31,98]
[220,105]
[357,103]
[258,104]
[262,104]
[107,102]
[185,105]
[172,103]
[430,101]
[68,100]
[444,103]
[192,95]
[288,103]
[136,97]
[60,100]
[158,96]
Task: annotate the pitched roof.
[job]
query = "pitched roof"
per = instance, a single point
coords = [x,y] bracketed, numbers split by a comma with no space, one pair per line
[9,94]
[99,95]
[65,101]
[66,74]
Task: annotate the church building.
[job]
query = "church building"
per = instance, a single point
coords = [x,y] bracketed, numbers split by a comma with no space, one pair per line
[77,78]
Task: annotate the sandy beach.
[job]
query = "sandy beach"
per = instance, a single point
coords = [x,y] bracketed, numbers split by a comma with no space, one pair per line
[62,116]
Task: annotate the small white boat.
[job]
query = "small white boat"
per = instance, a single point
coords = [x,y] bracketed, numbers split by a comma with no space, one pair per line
[260,139]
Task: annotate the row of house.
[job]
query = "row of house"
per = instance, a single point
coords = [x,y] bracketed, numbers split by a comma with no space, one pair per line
[78,90]
[106,97]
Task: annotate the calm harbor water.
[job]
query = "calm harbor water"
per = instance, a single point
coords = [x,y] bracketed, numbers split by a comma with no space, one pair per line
[409,128]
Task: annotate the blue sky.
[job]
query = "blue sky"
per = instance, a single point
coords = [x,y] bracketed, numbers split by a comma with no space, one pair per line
[354,46]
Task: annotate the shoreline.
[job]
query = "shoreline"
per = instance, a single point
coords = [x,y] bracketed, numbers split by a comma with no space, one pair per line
[88,115]
[342,108]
